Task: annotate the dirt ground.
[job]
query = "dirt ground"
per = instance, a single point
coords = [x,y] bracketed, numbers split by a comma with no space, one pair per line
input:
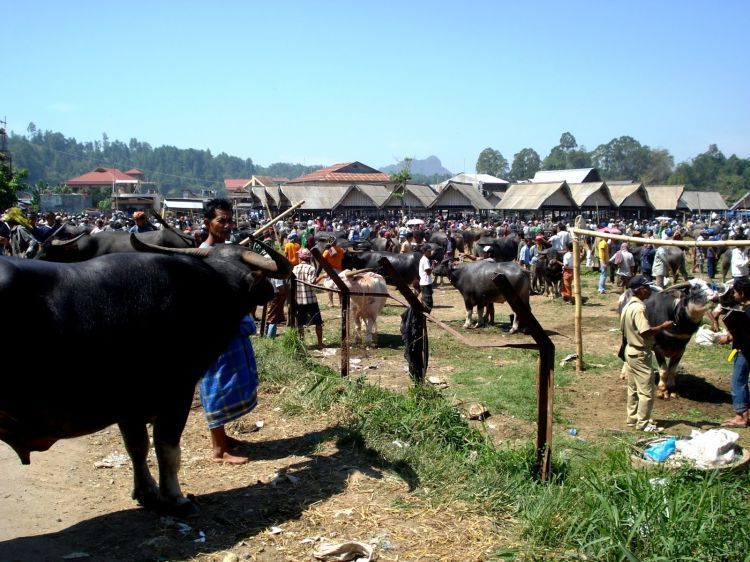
[300,488]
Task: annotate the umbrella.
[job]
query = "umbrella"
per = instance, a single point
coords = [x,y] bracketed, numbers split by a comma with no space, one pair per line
[414,222]
[663,218]
[609,230]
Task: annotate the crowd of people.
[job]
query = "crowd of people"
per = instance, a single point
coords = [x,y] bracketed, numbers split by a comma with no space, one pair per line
[229,388]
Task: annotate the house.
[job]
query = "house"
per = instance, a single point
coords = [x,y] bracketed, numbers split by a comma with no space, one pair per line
[350,173]
[484,183]
[525,199]
[631,199]
[701,202]
[129,192]
[460,197]
[666,198]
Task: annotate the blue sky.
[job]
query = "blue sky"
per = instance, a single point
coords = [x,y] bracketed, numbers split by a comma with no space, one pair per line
[321,82]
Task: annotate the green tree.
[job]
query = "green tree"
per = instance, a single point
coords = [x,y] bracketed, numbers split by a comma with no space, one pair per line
[623,158]
[492,162]
[10,184]
[400,180]
[526,163]
[567,155]
[660,167]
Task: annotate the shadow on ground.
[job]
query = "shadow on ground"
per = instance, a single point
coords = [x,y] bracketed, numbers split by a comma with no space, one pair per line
[226,517]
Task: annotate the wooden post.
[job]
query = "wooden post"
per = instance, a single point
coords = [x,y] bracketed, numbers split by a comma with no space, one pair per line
[292,315]
[577,284]
[271,222]
[345,304]
[545,375]
[263,318]
[417,307]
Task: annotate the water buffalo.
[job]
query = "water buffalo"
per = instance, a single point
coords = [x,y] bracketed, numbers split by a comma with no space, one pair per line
[364,308]
[684,304]
[86,246]
[504,248]
[406,265]
[474,280]
[144,299]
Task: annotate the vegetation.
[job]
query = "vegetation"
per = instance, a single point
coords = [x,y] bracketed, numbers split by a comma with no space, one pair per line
[11,182]
[492,162]
[52,158]
[400,180]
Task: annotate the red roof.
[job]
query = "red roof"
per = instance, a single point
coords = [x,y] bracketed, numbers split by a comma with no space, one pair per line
[101,176]
[134,172]
[345,172]
[233,184]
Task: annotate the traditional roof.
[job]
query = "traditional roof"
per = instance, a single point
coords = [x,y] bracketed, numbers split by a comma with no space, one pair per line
[534,196]
[665,197]
[378,194]
[417,195]
[460,195]
[578,175]
[699,201]
[742,203]
[345,172]
[233,184]
[629,195]
[102,176]
[319,197]
[591,194]
[134,172]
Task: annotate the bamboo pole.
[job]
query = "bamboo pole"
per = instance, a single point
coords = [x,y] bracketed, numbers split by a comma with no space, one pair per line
[286,213]
[577,291]
[659,241]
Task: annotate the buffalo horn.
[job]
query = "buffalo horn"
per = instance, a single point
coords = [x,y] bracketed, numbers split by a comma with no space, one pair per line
[281,268]
[67,242]
[678,286]
[142,246]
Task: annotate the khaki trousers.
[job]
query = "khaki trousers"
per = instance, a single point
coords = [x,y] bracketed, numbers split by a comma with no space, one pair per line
[641,388]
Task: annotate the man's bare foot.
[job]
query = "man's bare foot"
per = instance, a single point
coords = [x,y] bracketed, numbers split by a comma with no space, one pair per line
[229,458]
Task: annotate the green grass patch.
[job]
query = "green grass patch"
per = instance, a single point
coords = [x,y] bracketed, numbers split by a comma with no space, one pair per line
[597,506]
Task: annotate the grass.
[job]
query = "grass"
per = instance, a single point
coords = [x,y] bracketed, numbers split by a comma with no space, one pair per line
[596,507]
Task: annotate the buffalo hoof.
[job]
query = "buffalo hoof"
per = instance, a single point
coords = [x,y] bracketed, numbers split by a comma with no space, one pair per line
[182,508]
[147,498]
[512,331]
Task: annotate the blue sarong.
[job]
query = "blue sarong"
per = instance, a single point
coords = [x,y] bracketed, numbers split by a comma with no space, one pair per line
[229,389]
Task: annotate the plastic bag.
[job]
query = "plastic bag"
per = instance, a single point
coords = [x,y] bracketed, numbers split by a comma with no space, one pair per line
[662,450]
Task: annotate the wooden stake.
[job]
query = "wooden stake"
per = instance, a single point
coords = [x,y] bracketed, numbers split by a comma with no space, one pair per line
[577,292]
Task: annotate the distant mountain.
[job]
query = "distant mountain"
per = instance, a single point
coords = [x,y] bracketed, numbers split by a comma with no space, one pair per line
[430,166]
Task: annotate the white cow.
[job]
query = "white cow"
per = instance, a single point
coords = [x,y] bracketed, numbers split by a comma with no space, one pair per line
[364,308]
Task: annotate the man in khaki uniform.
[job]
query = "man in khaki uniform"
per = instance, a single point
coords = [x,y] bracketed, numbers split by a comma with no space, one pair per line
[640,343]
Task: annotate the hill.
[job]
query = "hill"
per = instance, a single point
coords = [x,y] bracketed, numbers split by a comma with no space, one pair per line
[430,166]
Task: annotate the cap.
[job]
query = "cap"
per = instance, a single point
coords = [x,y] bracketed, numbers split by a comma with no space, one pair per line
[304,254]
[637,282]
[539,238]
[486,249]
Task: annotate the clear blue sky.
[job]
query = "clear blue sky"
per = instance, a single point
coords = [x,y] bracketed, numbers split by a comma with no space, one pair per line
[321,82]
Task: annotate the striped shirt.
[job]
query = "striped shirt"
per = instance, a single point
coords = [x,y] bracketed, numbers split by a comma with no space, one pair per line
[305,294]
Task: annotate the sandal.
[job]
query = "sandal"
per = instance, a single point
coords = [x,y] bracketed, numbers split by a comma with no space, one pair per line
[734,423]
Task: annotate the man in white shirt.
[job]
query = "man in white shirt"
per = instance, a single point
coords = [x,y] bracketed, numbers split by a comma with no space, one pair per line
[739,263]
[425,276]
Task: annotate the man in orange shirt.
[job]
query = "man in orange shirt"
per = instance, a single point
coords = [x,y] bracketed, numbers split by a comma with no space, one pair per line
[291,248]
[334,256]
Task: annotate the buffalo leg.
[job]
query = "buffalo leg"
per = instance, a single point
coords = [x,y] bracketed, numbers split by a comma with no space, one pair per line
[469,310]
[135,437]
[168,429]
[481,320]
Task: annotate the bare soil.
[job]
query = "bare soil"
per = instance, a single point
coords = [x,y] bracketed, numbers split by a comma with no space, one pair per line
[300,487]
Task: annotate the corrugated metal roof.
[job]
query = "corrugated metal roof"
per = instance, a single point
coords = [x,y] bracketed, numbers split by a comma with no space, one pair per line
[178,204]
[469,197]
[353,172]
[665,197]
[578,175]
[532,196]
[102,176]
[477,178]
[233,184]
[699,201]
[591,194]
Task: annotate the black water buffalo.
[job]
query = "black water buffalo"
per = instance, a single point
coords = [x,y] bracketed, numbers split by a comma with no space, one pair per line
[548,273]
[406,265]
[474,280]
[684,304]
[86,246]
[676,263]
[504,248]
[84,310]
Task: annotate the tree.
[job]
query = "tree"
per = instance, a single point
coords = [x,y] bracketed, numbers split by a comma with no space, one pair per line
[623,158]
[660,167]
[400,180]
[567,155]
[491,162]
[568,142]
[526,163]
[10,184]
